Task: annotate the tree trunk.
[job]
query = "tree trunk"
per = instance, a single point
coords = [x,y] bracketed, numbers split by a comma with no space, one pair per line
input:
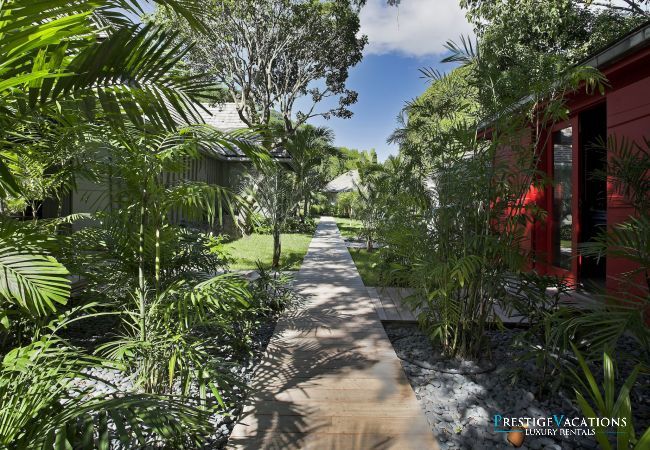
[369,243]
[305,209]
[277,247]
[141,277]
[157,268]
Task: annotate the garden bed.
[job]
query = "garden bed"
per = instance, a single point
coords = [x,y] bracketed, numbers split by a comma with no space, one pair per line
[238,364]
[107,382]
[460,398]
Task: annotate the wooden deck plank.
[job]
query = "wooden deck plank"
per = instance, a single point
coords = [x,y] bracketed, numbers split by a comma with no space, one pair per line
[379,309]
[327,409]
[397,295]
[330,378]
[339,441]
[260,424]
[392,308]
[392,313]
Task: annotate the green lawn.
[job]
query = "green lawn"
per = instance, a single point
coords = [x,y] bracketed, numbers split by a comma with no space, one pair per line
[364,261]
[349,228]
[248,250]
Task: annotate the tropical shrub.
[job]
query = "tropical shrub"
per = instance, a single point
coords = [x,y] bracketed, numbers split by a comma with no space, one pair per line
[604,322]
[346,204]
[91,94]
[461,238]
[308,147]
[597,403]
[547,341]
[44,405]
[272,290]
[297,225]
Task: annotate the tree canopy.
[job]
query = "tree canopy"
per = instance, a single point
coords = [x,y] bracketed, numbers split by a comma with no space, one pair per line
[270,53]
[515,30]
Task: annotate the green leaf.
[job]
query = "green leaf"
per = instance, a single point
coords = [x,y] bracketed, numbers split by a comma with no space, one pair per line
[644,442]
[594,389]
[4,320]
[587,410]
[8,185]
[35,282]
[609,381]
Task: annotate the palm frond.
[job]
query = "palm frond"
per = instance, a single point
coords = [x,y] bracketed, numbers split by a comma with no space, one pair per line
[31,279]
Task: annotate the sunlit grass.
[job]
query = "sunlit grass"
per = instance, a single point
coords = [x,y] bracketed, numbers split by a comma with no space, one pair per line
[246,251]
[365,262]
[349,228]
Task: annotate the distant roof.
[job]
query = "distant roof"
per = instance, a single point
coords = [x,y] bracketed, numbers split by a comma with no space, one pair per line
[346,182]
[224,117]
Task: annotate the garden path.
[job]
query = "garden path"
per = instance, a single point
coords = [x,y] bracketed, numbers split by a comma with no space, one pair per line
[330,378]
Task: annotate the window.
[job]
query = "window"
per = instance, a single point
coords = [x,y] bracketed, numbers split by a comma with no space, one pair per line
[562,198]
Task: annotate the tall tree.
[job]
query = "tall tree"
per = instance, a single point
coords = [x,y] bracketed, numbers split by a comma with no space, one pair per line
[275,194]
[270,53]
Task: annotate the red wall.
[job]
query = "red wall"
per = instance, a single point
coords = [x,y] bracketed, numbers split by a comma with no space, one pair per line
[628,115]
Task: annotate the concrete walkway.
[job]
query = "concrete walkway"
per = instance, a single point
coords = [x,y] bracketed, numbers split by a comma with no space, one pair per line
[330,378]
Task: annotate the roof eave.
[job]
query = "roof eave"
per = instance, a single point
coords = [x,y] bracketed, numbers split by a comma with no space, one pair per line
[633,41]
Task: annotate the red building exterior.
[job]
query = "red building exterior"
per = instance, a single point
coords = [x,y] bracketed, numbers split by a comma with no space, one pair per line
[578,204]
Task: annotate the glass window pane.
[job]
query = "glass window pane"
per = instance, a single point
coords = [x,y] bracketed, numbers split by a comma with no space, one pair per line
[562,197]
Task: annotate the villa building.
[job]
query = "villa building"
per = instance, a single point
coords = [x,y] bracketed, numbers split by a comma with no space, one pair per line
[580,205]
[217,165]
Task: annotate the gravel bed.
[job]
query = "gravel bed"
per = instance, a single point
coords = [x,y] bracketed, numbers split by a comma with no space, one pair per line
[461,398]
[243,372]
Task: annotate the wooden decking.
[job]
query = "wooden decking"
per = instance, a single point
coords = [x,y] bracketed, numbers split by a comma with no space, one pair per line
[390,307]
[330,378]
[388,304]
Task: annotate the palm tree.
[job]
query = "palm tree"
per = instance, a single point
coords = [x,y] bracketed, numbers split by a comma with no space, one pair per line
[275,194]
[87,55]
[308,147]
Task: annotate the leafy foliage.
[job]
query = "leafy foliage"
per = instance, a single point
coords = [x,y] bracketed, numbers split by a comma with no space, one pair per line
[458,226]
[46,408]
[87,93]
[276,196]
[606,321]
[308,147]
[607,404]
[31,279]
[70,59]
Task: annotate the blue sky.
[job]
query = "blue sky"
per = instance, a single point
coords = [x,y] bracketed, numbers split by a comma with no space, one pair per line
[402,40]
[383,82]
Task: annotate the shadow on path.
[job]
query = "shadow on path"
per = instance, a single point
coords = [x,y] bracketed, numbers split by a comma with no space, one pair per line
[330,378]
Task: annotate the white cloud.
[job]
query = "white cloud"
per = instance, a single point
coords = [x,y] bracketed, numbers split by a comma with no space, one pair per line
[416,28]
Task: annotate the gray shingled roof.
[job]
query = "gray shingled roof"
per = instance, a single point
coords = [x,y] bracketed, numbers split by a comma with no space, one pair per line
[224,117]
[346,182]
